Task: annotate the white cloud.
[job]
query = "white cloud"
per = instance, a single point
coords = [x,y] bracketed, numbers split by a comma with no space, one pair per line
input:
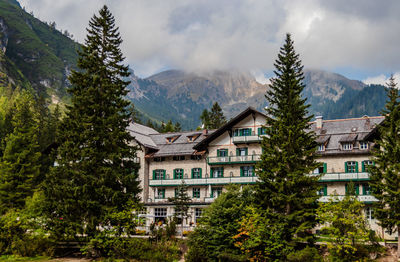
[226,34]
[381,79]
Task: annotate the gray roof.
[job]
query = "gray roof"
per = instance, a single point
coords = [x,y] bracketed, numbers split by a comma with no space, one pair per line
[180,146]
[345,131]
[142,133]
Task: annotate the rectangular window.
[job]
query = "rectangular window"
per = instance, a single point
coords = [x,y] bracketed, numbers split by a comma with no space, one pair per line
[242,132]
[262,131]
[222,152]
[160,214]
[198,213]
[321,147]
[178,173]
[347,146]
[242,151]
[159,159]
[247,171]
[351,167]
[160,193]
[369,213]
[196,172]
[195,157]
[321,170]
[366,189]
[323,191]
[196,192]
[363,145]
[217,172]
[366,164]
[216,192]
[178,158]
[158,174]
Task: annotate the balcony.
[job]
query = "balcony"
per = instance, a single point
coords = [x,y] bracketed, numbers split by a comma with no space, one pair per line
[331,177]
[206,181]
[361,198]
[221,160]
[253,138]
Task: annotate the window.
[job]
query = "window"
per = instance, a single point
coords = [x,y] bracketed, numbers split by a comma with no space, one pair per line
[160,193]
[369,213]
[159,159]
[321,147]
[242,132]
[347,146]
[366,164]
[217,172]
[262,131]
[323,191]
[178,158]
[178,173]
[246,171]
[196,192]
[160,214]
[158,174]
[321,170]
[241,151]
[351,167]
[195,157]
[198,213]
[196,172]
[216,191]
[366,189]
[176,192]
[222,152]
[363,145]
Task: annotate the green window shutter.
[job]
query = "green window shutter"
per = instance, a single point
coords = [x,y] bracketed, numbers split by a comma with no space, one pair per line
[356,166]
[192,172]
[345,189]
[174,173]
[373,163]
[163,193]
[237,151]
[218,154]
[212,172]
[259,131]
[357,186]
[364,189]
[222,172]
[163,174]
[241,171]
[200,173]
[325,190]
[154,174]
[346,169]
[325,168]
[246,150]
[363,166]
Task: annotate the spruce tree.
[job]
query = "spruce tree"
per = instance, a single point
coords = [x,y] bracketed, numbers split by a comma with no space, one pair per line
[214,118]
[95,173]
[181,201]
[385,175]
[19,164]
[286,194]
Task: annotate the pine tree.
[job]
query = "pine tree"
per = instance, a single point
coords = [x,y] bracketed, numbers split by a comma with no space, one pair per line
[285,193]
[181,201]
[95,172]
[385,175]
[19,164]
[214,118]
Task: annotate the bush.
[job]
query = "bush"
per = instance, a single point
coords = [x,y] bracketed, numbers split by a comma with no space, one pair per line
[309,254]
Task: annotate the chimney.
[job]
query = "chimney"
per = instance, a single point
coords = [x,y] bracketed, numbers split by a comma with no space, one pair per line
[318,121]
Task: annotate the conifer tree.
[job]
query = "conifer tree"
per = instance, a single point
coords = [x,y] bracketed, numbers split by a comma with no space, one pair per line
[181,201]
[214,118]
[285,193]
[19,164]
[95,172]
[385,175]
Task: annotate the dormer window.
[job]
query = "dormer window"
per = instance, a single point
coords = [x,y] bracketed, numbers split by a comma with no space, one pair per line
[192,138]
[171,139]
[363,145]
[321,147]
[347,146]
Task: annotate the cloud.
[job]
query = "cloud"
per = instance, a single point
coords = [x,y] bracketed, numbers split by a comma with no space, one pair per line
[207,34]
[381,79]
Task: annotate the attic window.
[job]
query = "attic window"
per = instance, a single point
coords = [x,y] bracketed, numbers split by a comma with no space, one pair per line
[192,138]
[171,139]
[321,147]
[347,146]
[363,145]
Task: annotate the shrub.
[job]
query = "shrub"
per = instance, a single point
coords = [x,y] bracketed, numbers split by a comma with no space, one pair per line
[309,254]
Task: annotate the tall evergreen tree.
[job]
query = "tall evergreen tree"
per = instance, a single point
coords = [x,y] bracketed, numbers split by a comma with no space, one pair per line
[285,193]
[95,172]
[385,175]
[214,118]
[19,164]
[181,201]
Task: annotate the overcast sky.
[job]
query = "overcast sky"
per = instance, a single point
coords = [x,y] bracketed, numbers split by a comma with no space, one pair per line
[359,39]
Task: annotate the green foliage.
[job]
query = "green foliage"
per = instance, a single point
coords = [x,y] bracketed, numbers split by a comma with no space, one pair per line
[96,174]
[309,254]
[213,239]
[132,248]
[385,178]
[348,231]
[285,193]
[19,163]
[162,232]
[214,118]
[182,202]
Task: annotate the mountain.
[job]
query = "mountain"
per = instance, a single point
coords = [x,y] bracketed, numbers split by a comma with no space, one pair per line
[182,96]
[34,54]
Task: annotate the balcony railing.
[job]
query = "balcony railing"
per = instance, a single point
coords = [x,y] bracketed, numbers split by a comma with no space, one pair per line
[361,198]
[218,160]
[330,177]
[206,181]
[247,139]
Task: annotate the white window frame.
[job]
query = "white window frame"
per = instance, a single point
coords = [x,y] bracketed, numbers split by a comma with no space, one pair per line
[196,172]
[364,145]
[351,165]
[321,147]
[160,212]
[347,146]
[248,171]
